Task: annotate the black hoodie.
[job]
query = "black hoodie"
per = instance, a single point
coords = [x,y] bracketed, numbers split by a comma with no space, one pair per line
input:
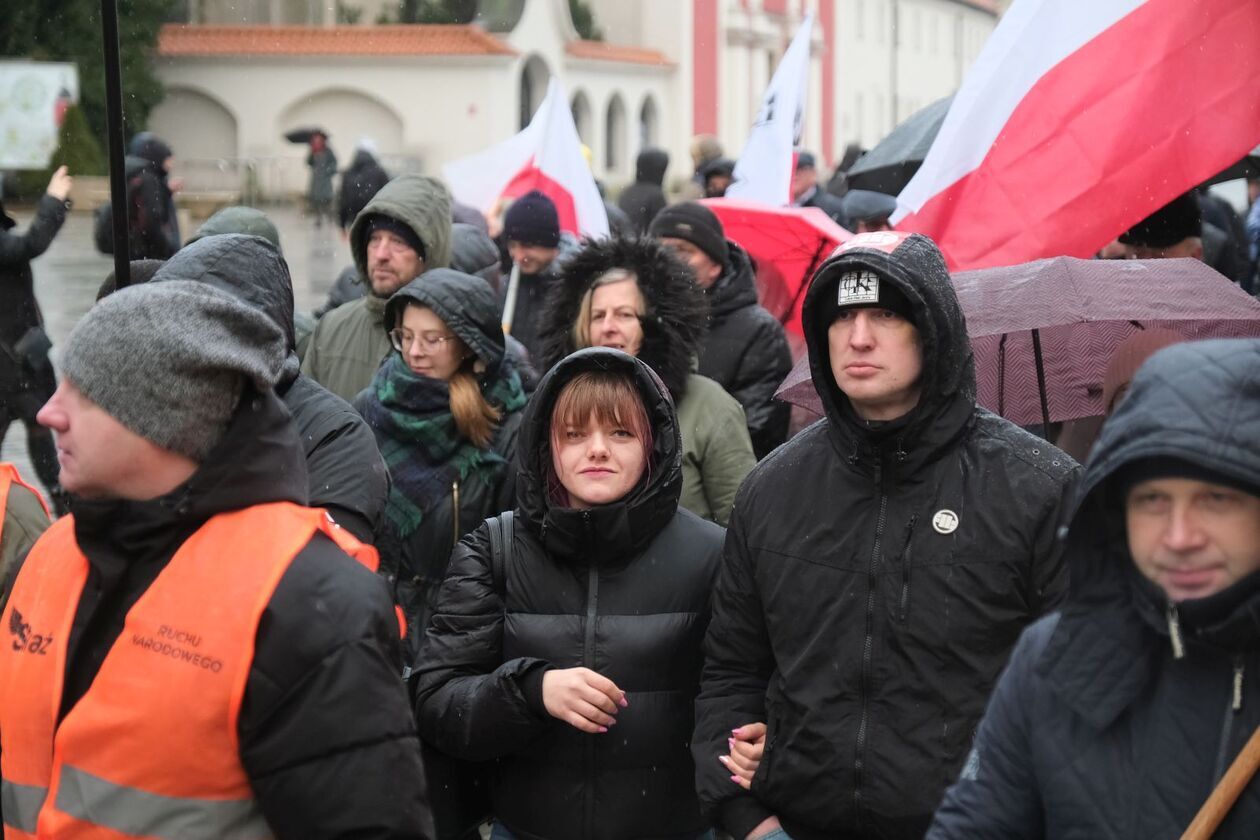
[643,199]
[325,734]
[875,579]
[622,589]
[1098,728]
[346,474]
[746,351]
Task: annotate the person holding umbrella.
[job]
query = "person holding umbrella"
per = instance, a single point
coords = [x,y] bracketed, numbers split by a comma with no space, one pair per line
[1119,714]
[878,569]
[323,165]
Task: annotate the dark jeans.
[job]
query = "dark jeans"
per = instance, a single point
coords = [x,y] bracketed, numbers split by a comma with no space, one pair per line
[22,406]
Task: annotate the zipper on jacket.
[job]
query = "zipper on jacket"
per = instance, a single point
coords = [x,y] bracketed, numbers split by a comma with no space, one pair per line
[904,604]
[1174,632]
[588,660]
[1231,714]
[455,510]
[864,686]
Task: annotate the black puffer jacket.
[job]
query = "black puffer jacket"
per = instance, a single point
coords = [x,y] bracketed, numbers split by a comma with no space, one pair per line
[1096,729]
[622,589]
[344,468]
[326,737]
[19,311]
[874,583]
[643,199]
[359,185]
[746,351]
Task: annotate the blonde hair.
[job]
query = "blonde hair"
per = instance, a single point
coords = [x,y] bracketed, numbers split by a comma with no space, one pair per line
[475,418]
[581,331]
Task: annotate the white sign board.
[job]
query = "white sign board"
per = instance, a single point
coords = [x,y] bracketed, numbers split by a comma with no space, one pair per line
[34,96]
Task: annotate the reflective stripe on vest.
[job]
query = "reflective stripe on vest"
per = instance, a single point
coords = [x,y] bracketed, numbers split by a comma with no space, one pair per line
[151,749]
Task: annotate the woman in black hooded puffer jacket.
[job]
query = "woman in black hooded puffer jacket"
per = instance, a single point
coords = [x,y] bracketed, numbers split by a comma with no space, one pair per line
[601,603]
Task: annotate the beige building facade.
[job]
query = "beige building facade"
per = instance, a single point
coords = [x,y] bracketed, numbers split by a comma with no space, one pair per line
[247,72]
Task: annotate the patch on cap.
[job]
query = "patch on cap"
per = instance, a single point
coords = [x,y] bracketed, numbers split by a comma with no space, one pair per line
[859,287]
[881,240]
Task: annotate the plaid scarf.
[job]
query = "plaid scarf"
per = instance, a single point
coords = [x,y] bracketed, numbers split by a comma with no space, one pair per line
[417,436]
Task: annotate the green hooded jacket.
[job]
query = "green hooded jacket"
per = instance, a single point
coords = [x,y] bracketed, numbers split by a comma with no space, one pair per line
[350,342]
[24,520]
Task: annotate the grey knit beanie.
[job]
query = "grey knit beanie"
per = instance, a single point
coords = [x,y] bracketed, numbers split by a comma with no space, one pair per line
[169,360]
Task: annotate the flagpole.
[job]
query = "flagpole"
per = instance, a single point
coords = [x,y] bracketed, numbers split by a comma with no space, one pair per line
[113,122]
[509,301]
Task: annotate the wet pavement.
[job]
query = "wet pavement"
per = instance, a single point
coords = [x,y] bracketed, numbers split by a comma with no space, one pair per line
[68,275]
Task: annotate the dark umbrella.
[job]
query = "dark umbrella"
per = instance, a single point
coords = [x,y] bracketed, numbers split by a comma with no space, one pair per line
[1043,332]
[889,166]
[1248,167]
[303,135]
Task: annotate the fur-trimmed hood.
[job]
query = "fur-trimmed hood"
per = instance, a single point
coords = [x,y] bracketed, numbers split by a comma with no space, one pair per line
[673,327]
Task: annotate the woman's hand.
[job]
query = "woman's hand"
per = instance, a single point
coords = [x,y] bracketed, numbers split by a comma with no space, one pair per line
[582,698]
[747,744]
[60,185]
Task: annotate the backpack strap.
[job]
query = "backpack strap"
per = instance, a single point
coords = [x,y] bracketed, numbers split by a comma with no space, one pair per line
[501,534]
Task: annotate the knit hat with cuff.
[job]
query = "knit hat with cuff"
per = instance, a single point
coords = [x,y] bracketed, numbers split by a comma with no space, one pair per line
[693,223]
[170,361]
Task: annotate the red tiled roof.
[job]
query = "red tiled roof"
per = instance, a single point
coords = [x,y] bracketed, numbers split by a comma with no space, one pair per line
[397,39]
[602,51]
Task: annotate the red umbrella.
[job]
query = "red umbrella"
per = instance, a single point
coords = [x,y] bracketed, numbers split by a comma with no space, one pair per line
[1043,332]
[787,244]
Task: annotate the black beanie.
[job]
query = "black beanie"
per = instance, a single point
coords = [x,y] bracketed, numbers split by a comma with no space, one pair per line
[379,221]
[1170,466]
[532,220]
[1179,219]
[861,288]
[696,224]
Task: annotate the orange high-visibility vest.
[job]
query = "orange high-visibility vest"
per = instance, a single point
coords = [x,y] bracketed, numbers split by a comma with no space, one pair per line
[8,477]
[151,750]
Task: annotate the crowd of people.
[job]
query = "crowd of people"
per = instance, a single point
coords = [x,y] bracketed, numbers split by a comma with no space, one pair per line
[524,509]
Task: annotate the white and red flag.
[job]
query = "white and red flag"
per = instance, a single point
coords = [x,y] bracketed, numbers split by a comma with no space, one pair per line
[546,156]
[1082,117]
[764,170]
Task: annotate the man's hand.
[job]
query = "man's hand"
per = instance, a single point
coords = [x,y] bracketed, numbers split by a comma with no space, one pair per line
[763,828]
[175,184]
[60,183]
[747,744]
[582,698]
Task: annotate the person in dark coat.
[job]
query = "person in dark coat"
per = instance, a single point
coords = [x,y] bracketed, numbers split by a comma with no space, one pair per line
[643,199]
[323,165]
[446,412]
[878,569]
[344,470]
[26,373]
[152,221]
[1178,230]
[1119,714]
[745,350]
[576,669]
[359,185]
[531,228]
[158,451]
[807,193]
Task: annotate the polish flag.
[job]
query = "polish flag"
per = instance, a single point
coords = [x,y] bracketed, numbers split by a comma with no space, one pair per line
[546,156]
[1082,117]
[764,170]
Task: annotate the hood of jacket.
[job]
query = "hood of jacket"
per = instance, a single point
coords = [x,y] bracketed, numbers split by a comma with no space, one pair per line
[474,252]
[947,400]
[420,202]
[1197,402]
[673,327]
[605,532]
[152,148]
[244,220]
[249,268]
[737,287]
[466,304]
[650,166]
[362,160]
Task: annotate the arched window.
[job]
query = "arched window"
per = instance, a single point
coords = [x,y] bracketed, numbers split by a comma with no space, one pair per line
[534,79]
[615,135]
[581,108]
[649,123]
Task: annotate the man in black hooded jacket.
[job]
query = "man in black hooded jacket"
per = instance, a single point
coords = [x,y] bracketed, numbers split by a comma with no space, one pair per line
[1120,713]
[878,569]
[347,476]
[643,199]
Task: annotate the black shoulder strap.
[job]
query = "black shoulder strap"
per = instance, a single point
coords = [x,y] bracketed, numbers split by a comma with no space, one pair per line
[501,533]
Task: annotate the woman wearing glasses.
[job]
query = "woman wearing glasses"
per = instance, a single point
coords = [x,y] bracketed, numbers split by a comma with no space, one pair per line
[445,410]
